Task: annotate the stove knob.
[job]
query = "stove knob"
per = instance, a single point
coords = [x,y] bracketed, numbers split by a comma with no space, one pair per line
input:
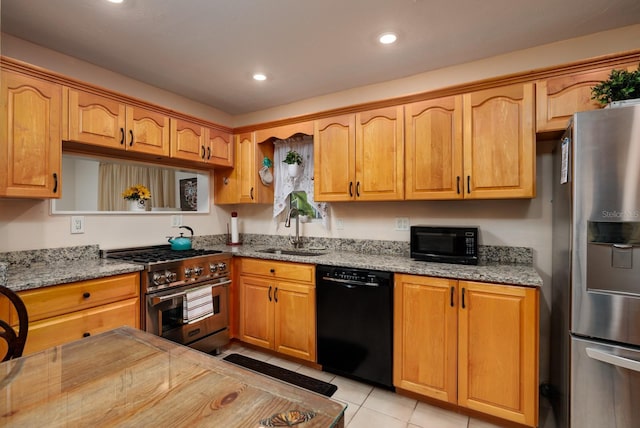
[188,272]
[159,279]
[198,270]
[213,267]
[171,276]
[222,266]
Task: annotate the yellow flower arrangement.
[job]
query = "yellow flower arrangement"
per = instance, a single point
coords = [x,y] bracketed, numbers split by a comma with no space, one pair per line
[136,192]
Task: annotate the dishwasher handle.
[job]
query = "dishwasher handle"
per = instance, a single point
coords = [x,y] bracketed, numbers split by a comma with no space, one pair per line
[614,360]
[350,283]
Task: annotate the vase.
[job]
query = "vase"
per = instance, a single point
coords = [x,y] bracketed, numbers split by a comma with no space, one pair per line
[137,205]
[623,103]
[294,169]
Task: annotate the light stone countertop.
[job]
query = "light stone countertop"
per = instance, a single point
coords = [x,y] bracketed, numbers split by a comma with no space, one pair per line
[42,274]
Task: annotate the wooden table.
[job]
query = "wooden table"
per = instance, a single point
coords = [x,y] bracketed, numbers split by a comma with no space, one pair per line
[126,377]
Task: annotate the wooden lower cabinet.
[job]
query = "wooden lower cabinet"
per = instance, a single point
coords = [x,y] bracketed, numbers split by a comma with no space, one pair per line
[64,313]
[278,306]
[468,343]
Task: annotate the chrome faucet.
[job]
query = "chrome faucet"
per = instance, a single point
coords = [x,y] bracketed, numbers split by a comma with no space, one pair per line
[296,242]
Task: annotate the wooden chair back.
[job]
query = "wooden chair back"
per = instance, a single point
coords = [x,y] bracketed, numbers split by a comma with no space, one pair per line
[15,341]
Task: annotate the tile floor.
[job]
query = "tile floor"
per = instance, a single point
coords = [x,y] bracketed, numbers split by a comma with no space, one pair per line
[371,407]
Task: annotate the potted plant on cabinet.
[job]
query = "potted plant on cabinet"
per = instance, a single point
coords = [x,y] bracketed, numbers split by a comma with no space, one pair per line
[294,162]
[622,85]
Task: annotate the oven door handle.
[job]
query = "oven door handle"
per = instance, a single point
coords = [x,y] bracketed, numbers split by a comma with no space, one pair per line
[157,300]
[614,360]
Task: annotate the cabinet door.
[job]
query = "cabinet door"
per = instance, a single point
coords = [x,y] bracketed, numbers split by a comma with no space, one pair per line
[499,143]
[425,336]
[380,155]
[148,131]
[433,147]
[30,139]
[498,351]
[558,98]
[219,146]
[295,320]
[97,120]
[334,158]
[256,311]
[187,141]
[246,169]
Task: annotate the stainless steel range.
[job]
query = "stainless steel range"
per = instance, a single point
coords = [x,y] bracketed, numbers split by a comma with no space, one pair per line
[184,294]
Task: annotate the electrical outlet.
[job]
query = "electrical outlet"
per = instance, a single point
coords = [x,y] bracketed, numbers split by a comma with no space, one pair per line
[176,220]
[402,223]
[77,224]
[339,224]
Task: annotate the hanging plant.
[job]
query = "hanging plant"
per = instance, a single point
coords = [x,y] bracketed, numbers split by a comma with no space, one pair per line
[621,85]
[293,157]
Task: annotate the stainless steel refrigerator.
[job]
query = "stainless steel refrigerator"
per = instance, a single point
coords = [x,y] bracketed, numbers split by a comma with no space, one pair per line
[595,316]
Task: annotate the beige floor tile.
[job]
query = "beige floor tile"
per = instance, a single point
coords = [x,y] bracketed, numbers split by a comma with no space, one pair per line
[391,404]
[350,390]
[350,411]
[428,416]
[285,364]
[478,423]
[368,418]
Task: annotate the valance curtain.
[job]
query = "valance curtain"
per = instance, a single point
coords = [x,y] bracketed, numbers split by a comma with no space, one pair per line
[115,179]
[284,184]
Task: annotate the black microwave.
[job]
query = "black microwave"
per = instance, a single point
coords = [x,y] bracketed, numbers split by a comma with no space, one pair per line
[445,244]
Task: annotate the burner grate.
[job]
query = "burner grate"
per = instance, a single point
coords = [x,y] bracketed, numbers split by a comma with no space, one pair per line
[160,255]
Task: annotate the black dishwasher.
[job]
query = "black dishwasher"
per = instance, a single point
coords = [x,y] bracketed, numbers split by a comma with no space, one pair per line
[355,323]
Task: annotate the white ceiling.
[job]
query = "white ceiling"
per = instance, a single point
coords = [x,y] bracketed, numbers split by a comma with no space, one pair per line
[207,50]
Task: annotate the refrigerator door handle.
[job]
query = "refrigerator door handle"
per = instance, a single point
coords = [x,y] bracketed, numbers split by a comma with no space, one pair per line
[615,360]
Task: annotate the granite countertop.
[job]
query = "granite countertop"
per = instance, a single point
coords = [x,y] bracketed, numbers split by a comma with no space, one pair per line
[36,275]
[29,270]
[500,273]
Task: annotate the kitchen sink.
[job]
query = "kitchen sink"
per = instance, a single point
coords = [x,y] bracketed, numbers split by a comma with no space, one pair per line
[290,252]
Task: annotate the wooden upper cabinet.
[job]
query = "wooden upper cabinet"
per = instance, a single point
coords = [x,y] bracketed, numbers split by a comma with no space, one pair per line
[433,149]
[31,139]
[285,131]
[219,147]
[242,184]
[499,142]
[558,98]
[380,154]
[334,157]
[360,157]
[187,140]
[101,121]
[498,351]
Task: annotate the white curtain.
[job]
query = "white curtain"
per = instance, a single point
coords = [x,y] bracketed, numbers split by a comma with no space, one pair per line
[284,184]
[116,178]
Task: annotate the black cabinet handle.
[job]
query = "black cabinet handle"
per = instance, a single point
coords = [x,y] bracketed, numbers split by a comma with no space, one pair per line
[202,155]
[208,153]
[453,289]
[351,188]
[275,295]
[55,182]
[251,193]
[269,293]
[272,270]
[87,334]
[121,135]
[358,189]
[458,184]
[86,295]
[468,184]
[131,141]
[463,303]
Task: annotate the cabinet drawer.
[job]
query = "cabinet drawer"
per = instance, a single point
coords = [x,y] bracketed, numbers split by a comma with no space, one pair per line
[61,299]
[76,325]
[280,270]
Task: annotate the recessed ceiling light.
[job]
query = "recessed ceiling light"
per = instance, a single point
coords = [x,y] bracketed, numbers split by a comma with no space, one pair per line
[387,38]
[259,76]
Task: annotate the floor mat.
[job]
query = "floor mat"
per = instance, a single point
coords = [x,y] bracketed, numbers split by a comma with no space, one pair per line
[285,375]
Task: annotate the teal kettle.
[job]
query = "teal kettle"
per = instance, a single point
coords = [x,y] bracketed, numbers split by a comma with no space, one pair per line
[181,242]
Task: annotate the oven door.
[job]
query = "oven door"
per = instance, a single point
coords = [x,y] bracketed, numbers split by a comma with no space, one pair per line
[165,314]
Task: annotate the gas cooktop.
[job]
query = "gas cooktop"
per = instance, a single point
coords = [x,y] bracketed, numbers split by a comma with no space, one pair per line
[155,254]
